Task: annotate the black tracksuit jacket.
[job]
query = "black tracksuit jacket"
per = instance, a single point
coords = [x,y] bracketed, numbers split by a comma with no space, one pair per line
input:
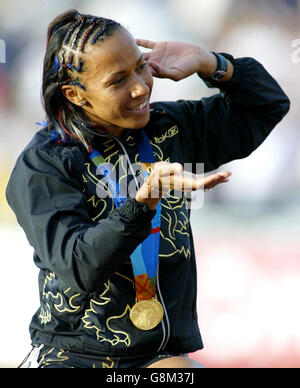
[82,244]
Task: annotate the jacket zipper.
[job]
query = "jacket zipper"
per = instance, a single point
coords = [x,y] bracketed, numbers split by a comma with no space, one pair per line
[166,336]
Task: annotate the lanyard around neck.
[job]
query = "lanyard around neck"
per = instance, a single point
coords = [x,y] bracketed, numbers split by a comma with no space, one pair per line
[145,257]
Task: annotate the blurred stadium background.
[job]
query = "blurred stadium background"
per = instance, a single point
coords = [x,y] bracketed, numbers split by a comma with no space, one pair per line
[247,232]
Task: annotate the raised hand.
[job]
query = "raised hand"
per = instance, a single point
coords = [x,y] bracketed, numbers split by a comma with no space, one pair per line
[177,60]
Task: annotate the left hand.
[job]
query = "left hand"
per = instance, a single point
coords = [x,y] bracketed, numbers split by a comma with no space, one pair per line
[166,176]
[177,60]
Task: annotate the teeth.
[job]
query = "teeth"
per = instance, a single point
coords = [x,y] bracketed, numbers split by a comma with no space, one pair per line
[139,107]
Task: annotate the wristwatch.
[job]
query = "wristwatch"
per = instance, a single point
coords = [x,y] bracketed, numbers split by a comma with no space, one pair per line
[221,67]
[220,72]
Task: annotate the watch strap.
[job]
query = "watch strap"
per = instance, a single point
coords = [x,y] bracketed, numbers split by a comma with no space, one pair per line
[220,72]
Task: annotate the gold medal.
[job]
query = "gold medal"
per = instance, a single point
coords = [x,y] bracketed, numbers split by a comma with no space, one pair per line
[147,314]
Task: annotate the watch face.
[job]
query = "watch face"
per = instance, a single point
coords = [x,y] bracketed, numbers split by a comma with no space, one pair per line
[218,75]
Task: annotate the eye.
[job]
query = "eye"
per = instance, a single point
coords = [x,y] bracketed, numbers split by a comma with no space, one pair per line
[118,81]
[143,66]
[122,79]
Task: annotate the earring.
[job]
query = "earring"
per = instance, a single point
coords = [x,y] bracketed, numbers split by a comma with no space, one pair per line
[82,103]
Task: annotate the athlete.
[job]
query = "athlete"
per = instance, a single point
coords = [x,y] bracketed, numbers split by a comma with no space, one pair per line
[102,190]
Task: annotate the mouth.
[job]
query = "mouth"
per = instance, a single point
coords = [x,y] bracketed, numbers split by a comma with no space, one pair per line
[140,108]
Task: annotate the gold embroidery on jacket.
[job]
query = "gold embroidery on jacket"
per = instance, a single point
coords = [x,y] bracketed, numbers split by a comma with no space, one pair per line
[106,365]
[174,215]
[125,277]
[73,309]
[158,153]
[114,337]
[171,132]
[61,302]
[60,357]
[117,339]
[98,203]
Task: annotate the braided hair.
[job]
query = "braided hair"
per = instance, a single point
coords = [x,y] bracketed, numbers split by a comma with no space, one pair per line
[68,35]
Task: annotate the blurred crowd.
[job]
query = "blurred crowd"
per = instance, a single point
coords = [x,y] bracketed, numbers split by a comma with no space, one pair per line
[263,29]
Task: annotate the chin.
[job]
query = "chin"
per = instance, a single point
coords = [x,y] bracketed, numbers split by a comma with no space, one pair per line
[141,123]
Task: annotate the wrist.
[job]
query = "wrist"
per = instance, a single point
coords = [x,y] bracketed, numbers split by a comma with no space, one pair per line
[223,71]
[144,196]
[207,64]
[229,72]
[150,202]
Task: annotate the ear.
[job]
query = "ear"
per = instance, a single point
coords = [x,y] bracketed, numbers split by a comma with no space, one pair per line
[73,94]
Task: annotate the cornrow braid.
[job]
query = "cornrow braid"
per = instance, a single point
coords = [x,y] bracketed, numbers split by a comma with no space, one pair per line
[68,35]
[74,26]
[79,30]
[102,32]
[86,36]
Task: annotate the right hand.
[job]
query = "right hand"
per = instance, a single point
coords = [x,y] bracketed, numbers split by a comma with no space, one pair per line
[165,177]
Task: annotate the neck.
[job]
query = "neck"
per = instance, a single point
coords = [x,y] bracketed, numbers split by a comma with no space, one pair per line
[117,132]
[104,127]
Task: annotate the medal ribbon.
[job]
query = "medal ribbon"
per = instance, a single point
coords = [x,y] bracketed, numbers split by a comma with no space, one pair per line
[144,259]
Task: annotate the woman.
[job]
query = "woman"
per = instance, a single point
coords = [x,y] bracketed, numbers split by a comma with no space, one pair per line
[106,299]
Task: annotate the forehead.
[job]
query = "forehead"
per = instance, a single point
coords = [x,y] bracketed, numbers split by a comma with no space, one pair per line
[115,53]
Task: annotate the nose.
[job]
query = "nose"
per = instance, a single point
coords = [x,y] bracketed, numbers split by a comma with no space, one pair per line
[139,88]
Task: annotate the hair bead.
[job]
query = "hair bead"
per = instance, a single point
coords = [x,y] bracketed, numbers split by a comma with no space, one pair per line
[76,83]
[72,67]
[55,66]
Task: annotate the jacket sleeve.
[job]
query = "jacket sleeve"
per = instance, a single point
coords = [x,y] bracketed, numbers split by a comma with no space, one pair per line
[51,209]
[232,124]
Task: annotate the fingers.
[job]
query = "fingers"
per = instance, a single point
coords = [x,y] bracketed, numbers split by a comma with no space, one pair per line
[166,176]
[159,71]
[153,70]
[156,70]
[147,56]
[145,43]
[213,180]
[162,176]
[224,174]
[165,169]
[185,182]
[188,182]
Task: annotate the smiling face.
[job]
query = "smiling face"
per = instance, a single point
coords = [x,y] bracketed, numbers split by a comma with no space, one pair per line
[118,84]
